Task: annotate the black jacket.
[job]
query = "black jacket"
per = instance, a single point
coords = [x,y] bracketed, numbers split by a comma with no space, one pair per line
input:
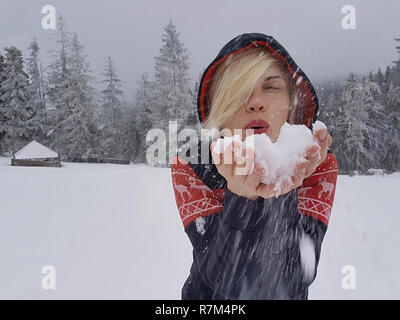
[244,249]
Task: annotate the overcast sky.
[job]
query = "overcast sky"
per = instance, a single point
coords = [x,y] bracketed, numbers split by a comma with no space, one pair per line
[130,31]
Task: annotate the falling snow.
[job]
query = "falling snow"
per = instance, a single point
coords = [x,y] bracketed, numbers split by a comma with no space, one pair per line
[200,225]
[318,125]
[307,256]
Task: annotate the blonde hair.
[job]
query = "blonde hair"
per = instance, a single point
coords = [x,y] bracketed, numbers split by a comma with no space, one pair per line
[234,80]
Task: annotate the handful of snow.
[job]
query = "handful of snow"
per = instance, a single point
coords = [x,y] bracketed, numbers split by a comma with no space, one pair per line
[279,159]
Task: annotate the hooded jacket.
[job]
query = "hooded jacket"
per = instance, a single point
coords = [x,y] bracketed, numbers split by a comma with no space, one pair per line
[252,249]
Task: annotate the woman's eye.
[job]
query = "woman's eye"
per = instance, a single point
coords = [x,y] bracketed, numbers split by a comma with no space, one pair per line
[271,88]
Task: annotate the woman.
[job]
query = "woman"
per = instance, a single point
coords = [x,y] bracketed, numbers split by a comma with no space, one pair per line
[247,243]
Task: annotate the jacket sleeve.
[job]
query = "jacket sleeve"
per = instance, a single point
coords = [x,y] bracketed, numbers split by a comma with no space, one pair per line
[222,228]
[315,201]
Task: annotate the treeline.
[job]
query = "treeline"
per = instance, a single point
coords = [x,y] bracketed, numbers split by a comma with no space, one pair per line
[363,117]
[57,104]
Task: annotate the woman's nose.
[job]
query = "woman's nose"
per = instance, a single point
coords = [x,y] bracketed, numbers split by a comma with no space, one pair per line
[254,108]
[255,104]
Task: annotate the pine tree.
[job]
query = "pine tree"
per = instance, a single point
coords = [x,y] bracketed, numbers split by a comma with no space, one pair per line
[392,108]
[376,124]
[2,105]
[74,114]
[58,84]
[362,127]
[144,119]
[350,128]
[37,125]
[14,98]
[172,100]
[112,113]
[80,132]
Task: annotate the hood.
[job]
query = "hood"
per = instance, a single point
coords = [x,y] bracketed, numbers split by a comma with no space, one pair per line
[308,97]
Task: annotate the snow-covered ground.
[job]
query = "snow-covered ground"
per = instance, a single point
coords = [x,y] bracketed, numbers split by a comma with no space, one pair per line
[113,232]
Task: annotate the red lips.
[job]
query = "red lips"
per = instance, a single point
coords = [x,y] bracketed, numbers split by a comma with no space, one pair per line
[259,126]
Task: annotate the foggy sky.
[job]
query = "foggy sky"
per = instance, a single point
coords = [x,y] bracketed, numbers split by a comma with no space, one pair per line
[130,32]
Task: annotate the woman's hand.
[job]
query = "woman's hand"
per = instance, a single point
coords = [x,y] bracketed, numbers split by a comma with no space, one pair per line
[243,176]
[314,157]
[246,180]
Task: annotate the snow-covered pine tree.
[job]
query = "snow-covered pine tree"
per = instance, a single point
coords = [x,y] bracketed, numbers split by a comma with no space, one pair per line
[38,124]
[2,106]
[361,126]
[377,125]
[140,122]
[80,131]
[392,109]
[173,101]
[14,100]
[58,84]
[172,94]
[74,130]
[111,111]
[350,128]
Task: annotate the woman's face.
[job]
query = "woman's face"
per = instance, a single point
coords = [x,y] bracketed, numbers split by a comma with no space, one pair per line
[267,108]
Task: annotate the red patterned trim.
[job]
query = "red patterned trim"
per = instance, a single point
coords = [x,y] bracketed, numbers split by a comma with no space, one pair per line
[316,194]
[193,198]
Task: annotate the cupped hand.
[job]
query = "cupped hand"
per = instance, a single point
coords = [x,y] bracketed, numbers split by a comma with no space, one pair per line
[239,169]
[314,157]
[244,176]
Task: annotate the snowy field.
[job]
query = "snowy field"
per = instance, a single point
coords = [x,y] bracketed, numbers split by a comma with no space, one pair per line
[113,232]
